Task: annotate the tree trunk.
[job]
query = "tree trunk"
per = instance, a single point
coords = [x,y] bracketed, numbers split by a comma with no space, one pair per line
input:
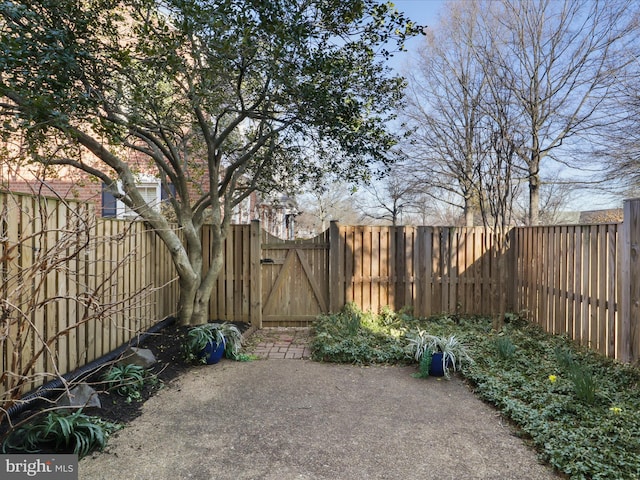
[468,216]
[193,301]
[469,209]
[534,177]
[534,199]
[186,301]
[195,292]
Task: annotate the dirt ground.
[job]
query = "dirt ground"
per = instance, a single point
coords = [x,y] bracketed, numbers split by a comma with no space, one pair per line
[297,419]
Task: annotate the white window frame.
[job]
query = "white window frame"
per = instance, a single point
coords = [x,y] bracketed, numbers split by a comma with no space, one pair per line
[142,181]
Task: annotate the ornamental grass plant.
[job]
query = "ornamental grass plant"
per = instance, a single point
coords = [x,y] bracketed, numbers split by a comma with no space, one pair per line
[578,409]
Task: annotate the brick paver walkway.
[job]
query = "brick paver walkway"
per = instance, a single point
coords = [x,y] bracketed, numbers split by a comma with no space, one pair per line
[281,342]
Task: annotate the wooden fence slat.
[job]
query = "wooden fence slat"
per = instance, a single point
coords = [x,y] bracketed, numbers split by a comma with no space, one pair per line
[376,300]
[601,295]
[613,311]
[585,287]
[570,272]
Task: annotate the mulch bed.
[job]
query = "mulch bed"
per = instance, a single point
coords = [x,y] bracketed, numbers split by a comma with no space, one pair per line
[166,346]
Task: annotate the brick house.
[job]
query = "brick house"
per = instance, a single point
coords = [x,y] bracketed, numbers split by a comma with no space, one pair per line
[276,212]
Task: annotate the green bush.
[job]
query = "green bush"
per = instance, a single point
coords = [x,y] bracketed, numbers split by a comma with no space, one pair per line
[128,380]
[60,432]
[353,336]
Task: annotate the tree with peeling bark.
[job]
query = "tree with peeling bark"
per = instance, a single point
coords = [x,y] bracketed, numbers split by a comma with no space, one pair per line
[217,98]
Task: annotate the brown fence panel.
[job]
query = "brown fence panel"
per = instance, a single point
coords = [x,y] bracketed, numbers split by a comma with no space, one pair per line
[432,270]
[231,294]
[567,281]
[59,265]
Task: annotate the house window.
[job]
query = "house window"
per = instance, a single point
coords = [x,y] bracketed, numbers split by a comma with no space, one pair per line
[150,192]
[149,187]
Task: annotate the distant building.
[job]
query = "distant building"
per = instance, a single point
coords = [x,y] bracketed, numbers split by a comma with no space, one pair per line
[277,213]
[611,215]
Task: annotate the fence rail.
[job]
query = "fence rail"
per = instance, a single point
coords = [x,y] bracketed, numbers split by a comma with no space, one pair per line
[58,262]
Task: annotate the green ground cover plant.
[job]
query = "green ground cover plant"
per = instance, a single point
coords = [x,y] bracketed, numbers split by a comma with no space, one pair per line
[353,336]
[580,410]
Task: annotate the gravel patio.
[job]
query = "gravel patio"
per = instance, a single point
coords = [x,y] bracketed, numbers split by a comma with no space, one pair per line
[290,418]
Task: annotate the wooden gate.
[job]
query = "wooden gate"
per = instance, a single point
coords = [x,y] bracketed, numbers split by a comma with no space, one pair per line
[295,280]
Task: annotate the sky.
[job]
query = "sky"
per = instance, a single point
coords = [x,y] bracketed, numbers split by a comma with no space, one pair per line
[426,12]
[422,12]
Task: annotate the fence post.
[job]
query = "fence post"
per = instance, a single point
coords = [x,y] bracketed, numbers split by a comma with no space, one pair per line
[335,293]
[255,292]
[511,276]
[630,287]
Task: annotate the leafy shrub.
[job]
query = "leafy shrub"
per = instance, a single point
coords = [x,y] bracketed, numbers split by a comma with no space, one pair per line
[352,336]
[128,380]
[60,432]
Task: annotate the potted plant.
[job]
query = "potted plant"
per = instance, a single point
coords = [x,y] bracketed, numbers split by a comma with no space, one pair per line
[446,352]
[208,343]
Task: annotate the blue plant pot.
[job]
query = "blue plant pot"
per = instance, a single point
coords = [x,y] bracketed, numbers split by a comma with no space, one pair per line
[212,353]
[436,370]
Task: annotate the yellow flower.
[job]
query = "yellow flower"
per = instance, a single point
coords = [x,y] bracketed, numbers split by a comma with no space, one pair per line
[552,378]
[615,410]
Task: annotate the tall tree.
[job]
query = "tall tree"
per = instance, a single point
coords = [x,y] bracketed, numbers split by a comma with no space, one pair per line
[328,202]
[560,60]
[445,108]
[218,98]
[619,148]
[393,199]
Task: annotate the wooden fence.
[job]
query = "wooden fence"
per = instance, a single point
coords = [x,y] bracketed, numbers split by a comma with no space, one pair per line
[567,281]
[583,281]
[74,287]
[431,270]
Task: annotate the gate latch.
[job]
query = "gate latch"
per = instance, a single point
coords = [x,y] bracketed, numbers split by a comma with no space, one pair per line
[266,260]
